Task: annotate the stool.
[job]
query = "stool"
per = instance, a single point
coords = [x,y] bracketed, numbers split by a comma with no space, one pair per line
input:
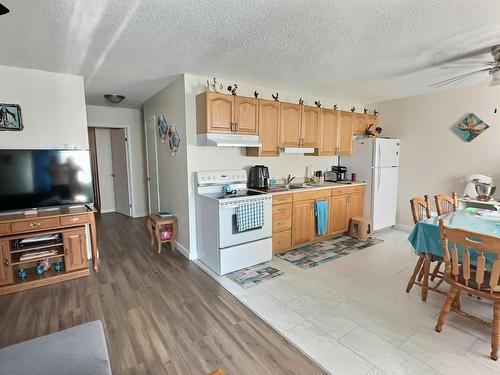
[361,228]
[154,223]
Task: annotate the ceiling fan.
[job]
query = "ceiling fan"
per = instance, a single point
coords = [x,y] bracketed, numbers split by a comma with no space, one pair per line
[490,67]
[3,10]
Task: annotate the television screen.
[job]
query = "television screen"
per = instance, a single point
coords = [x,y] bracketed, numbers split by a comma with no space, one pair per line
[44,178]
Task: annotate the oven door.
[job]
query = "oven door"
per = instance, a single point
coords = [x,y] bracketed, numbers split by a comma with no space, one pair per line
[228,230]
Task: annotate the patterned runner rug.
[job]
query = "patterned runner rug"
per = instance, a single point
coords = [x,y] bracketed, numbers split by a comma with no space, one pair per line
[325,251]
[251,276]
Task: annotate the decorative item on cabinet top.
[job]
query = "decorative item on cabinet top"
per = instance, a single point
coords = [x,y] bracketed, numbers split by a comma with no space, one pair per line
[215,86]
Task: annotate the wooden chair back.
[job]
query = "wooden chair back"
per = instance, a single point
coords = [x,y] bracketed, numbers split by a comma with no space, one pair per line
[420,208]
[460,272]
[446,203]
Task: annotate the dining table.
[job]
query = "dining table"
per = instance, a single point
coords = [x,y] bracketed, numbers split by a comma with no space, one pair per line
[425,237]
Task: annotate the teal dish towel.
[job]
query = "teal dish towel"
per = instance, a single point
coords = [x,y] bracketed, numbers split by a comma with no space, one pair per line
[321,211]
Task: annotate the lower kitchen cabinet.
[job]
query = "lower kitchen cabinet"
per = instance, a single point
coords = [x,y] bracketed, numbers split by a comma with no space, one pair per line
[294,219]
[302,222]
[339,221]
[282,241]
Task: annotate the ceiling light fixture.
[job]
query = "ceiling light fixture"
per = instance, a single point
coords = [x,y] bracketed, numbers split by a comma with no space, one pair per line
[114,98]
[3,10]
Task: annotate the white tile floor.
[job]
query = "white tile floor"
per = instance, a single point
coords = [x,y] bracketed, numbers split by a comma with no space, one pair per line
[352,315]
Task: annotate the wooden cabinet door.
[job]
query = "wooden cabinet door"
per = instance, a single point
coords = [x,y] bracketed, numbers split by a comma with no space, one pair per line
[220,113]
[310,126]
[246,115]
[339,214]
[75,250]
[359,124]
[302,222]
[316,237]
[290,127]
[5,266]
[269,127]
[346,123]
[329,132]
[356,205]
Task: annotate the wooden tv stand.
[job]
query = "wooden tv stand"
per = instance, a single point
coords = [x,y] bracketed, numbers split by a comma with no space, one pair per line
[71,249]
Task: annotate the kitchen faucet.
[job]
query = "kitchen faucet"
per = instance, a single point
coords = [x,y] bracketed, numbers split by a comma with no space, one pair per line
[288,180]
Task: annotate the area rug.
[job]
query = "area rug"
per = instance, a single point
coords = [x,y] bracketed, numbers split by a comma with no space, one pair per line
[251,276]
[325,251]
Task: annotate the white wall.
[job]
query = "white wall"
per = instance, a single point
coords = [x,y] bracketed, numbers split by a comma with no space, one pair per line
[433,158]
[105,169]
[52,105]
[114,117]
[173,170]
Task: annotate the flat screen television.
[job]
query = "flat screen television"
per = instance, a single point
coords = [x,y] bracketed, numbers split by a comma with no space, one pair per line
[44,178]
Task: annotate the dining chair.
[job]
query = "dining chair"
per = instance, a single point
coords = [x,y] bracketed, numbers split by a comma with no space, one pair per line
[474,279]
[420,210]
[444,204]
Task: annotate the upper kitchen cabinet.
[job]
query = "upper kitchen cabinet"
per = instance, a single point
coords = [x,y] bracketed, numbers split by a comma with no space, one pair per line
[290,127]
[246,115]
[299,126]
[346,125]
[362,122]
[311,118]
[220,113]
[328,133]
[269,129]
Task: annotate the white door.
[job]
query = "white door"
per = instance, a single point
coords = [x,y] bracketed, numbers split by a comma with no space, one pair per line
[120,171]
[384,197]
[152,165]
[386,152]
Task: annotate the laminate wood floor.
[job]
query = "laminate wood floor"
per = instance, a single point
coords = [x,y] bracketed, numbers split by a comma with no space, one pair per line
[162,314]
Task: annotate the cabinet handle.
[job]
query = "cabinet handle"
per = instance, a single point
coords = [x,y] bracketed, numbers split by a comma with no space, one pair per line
[74,219]
[35,224]
[236,127]
[6,262]
[66,251]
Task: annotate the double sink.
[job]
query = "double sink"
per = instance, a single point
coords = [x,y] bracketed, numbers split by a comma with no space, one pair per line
[277,189]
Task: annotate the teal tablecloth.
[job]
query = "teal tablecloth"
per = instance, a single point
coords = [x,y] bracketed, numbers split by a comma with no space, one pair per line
[425,235]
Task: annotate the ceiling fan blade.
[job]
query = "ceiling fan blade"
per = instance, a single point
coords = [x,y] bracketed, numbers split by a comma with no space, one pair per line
[494,82]
[458,78]
[470,64]
[3,10]
[463,56]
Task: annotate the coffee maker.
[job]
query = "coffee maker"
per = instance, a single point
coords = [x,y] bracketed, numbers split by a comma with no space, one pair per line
[337,173]
[258,177]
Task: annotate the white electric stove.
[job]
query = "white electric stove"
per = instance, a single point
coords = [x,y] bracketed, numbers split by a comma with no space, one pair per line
[220,245]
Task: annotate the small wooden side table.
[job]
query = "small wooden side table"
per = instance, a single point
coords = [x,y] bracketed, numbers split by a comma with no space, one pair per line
[154,223]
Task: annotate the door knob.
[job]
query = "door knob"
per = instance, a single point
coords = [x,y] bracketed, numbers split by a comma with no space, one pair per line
[113,175]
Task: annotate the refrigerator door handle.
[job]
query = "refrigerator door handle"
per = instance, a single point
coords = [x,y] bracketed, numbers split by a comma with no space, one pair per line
[379,154]
[379,178]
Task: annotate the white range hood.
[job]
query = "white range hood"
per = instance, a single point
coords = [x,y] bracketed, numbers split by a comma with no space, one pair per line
[298,150]
[228,140]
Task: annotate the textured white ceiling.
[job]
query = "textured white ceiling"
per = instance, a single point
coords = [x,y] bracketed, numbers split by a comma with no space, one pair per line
[359,50]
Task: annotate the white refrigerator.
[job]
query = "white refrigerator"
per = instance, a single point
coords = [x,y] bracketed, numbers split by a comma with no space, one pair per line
[376,161]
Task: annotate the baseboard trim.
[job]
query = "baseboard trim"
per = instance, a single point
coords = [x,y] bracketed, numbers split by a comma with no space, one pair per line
[188,254]
[140,214]
[107,210]
[403,227]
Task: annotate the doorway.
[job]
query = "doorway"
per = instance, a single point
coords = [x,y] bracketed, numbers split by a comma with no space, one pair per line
[152,165]
[111,169]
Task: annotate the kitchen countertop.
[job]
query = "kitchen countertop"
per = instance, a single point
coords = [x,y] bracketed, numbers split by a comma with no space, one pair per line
[318,186]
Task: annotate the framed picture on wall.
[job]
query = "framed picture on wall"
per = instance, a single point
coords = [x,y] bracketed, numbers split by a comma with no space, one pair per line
[10,117]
